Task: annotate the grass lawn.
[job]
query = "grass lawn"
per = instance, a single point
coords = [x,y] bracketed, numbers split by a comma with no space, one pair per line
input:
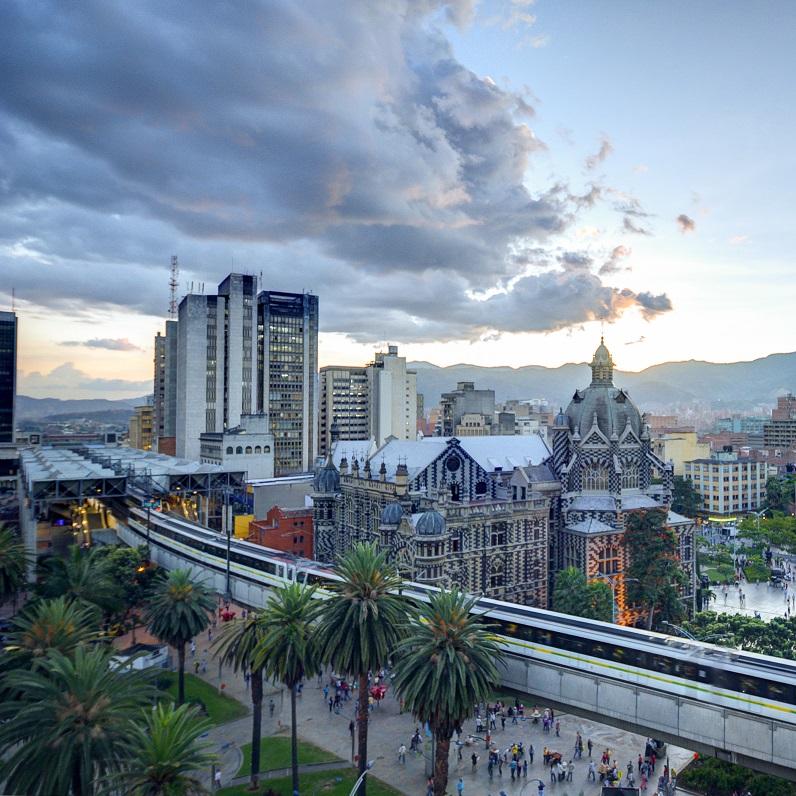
[220,707]
[324,782]
[275,753]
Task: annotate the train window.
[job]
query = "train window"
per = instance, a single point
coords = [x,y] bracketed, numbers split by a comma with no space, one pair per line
[780,692]
[544,637]
[618,653]
[687,670]
[662,664]
[599,650]
[509,629]
[751,685]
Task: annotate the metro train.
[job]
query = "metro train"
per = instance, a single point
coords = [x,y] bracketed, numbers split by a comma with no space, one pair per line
[725,677]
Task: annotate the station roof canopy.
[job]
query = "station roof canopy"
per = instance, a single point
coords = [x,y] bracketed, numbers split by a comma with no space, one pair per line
[111,471]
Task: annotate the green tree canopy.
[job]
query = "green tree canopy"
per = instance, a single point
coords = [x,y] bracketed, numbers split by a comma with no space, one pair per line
[777,531]
[777,637]
[573,594]
[288,650]
[163,754]
[84,575]
[177,611]
[65,723]
[654,574]
[13,565]
[780,492]
[447,664]
[361,625]
[685,499]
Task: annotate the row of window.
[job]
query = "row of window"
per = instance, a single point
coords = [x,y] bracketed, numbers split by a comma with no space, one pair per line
[247,450]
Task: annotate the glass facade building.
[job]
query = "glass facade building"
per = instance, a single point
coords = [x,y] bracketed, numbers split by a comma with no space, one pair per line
[8,376]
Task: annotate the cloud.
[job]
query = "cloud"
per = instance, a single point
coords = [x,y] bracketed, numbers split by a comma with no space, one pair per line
[651,305]
[686,223]
[641,168]
[636,342]
[630,226]
[121,344]
[614,262]
[324,145]
[606,148]
[738,240]
[68,381]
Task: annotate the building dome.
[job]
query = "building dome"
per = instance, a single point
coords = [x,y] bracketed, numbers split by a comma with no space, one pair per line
[327,479]
[430,523]
[612,407]
[392,514]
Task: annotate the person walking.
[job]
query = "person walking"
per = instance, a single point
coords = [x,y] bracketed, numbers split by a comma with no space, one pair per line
[530,753]
[589,746]
[592,777]
[217,779]
[474,761]
[460,787]
[402,754]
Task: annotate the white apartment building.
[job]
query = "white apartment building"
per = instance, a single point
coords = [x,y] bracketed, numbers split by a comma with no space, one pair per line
[392,399]
[249,447]
[727,483]
[345,398]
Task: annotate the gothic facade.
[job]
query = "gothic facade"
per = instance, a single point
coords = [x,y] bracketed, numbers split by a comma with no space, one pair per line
[445,511]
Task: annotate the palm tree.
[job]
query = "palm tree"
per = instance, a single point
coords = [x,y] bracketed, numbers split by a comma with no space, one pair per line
[288,651]
[47,625]
[447,664]
[163,754]
[14,562]
[63,726]
[236,645]
[178,611]
[83,575]
[361,624]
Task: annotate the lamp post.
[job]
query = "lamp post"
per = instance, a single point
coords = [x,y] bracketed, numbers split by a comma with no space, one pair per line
[613,581]
[529,782]
[226,525]
[683,632]
[361,777]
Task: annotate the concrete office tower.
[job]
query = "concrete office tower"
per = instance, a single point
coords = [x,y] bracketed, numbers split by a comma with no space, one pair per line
[287,376]
[8,398]
[465,400]
[344,402]
[393,397]
[216,352]
[164,423]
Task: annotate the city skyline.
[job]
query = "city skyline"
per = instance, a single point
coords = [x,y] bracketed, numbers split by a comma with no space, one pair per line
[501,180]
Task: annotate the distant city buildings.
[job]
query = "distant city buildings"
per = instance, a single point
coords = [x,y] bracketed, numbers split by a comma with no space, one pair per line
[780,431]
[8,397]
[249,447]
[376,401]
[237,354]
[728,483]
[465,400]
[679,447]
[140,434]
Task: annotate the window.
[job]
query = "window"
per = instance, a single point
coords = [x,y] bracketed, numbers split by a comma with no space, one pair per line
[595,478]
[248,449]
[266,449]
[258,449]
[239,450]
[608,560]
[630,476]
[229,450]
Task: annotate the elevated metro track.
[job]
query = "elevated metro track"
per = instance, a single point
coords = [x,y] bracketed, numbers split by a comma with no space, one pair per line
[735,705]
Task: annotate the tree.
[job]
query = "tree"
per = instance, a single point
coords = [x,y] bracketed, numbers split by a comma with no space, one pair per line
[573,594]
[83,575]
[14,562]
[50,625]
[178,611]
[163,753]
[685,499]
[236,645]
[63,726]
[361,624]
[288,650]
[446,665]
[776,638]
[780,493]
[777,531]
[654,573]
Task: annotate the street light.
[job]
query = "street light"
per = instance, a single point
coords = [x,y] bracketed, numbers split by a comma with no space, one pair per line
[529,782]
[613,581]
[361,777]
[688,635]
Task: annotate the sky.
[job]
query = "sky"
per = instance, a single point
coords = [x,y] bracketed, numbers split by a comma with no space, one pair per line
[495,183]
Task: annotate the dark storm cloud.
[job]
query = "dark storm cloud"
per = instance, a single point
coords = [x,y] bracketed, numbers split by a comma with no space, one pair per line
[315,142]
[686,223]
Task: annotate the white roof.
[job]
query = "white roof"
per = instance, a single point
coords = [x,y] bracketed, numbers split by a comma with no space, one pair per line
[639,501]
[359,449]
[674,518]
[593,503]
[590,526]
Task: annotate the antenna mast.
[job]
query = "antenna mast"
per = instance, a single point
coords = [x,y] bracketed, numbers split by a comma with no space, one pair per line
[173,284]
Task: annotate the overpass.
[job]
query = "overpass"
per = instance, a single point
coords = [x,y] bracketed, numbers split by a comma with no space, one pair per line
[742,734]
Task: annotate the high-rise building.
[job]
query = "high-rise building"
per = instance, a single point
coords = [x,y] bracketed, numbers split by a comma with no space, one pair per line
[780,431]
[344,403]
[216,355]
[8,396]
[465,400]
[287,375]
[141,428]
[393,397]
[164,421]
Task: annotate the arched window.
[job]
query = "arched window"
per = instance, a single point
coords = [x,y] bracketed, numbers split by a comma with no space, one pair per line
[266,449]
[630,476]
[595,478]
[229,450]
[258,449]
[239,450]
[248,449]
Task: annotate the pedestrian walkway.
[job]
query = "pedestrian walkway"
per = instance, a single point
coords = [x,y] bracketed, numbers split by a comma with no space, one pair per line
[745,598]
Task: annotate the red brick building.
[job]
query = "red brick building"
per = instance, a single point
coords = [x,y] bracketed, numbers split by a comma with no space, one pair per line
[288,530]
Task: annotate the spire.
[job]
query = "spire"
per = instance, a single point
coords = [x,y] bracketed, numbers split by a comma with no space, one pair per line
[602,367]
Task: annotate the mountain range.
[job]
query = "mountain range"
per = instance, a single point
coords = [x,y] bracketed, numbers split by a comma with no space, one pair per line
[734,385]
